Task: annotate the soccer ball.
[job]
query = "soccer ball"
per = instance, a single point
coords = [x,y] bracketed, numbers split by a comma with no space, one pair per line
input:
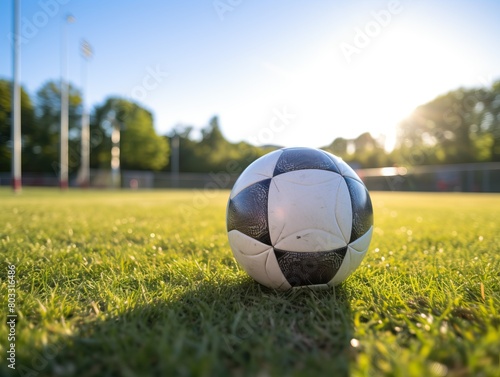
[299,217]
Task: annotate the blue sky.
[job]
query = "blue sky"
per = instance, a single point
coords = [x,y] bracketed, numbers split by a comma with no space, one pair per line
[286,72]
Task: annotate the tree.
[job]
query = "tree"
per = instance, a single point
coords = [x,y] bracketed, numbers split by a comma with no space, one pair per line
[444,130]
[27,121]
[140,147]
[213,153]
[338,147]
[188,155]
[214,149]
[212,135]
[367,152]
[490,123]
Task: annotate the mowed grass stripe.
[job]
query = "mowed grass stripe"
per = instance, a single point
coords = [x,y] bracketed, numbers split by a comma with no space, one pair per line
[144,283]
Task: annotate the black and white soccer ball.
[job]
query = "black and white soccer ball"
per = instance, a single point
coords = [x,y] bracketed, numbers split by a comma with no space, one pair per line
[299,217]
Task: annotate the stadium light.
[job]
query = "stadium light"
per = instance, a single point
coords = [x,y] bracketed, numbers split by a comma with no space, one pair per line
[63,177]
[16,102]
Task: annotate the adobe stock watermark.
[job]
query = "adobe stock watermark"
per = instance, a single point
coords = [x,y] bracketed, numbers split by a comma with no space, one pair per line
[151,81]
[30,26]
[11,316]
[39,361]
[380,20]
[221,7]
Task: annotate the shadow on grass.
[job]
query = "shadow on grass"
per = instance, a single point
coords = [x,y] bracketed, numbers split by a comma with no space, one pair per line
[213,329]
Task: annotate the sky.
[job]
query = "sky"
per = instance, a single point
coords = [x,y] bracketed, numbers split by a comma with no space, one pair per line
[283,72]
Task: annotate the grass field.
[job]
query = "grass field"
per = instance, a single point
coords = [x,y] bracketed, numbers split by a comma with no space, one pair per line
[144,284]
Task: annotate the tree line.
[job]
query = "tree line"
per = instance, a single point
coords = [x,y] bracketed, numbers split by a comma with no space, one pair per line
[141,147]
[460,126]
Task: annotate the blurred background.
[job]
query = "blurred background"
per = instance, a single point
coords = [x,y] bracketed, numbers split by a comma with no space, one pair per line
[188,93]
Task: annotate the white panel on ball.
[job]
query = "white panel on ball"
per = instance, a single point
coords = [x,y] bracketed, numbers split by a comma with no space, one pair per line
[343,272]
[257,259]
[302,201]
[358,248]
[343,210]
[260,169]
[310,240]
[274,274]
[246,245]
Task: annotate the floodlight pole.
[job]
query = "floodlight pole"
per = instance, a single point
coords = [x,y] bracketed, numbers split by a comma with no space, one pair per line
[16,102]
[85,152]
[63,172]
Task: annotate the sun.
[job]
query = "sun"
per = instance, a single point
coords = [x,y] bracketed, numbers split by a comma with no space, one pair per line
[399,70]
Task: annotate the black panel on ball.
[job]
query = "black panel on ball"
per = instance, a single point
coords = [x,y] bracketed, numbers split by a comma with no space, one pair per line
[247,212]
[309,268]
[303,158]
[362,210]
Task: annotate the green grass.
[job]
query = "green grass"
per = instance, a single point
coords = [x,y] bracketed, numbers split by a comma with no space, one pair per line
[144,284]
